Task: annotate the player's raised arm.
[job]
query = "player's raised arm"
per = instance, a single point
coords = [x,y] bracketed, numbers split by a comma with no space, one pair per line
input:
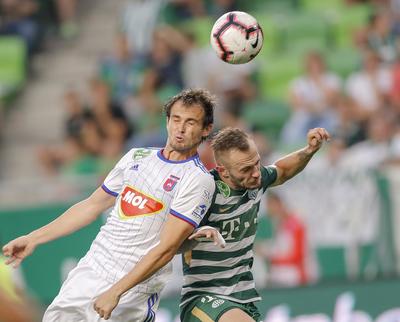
[172,236]
[76,217]
[293,163]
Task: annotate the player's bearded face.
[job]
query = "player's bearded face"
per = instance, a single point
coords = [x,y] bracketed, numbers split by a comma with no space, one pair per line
[248,181]
[244,168]
[185,127]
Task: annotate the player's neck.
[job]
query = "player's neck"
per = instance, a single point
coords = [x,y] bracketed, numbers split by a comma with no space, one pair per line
[173,155]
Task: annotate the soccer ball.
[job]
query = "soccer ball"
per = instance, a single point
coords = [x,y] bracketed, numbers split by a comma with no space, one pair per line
[236,37]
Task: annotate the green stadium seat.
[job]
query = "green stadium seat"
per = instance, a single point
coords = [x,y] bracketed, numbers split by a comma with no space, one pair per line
[270,31]
[301,25]
[201,29]
[296,32]
[318,6]
[277,5]
[276,72]
[12,65]
[343,61]
[267,116]
[347,21]
[165,92]
[345,18]
[167,15]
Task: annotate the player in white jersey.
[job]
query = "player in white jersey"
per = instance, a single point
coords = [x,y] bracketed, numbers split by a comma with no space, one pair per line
[159,197]
[219,285]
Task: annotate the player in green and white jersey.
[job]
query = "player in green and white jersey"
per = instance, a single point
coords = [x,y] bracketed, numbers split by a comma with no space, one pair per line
[218,284]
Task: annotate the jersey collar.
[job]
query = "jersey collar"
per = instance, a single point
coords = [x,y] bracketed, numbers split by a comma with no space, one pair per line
[161,157]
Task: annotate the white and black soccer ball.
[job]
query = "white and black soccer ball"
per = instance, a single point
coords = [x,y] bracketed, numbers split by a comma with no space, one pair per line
[236,37]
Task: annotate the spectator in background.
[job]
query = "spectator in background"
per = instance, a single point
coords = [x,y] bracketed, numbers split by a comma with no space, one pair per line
[395,89]
[263,144]
[349,128]
[395,143]
[95,135]
[18,19]
[165,61]
[55,159]
[122,71]
[330,163]
[66,12]
[105,135]
[313,98]
[106,112]
[182,10]
[369,88]
[381,37]
[194,58]
[376,149]
[139,19]
[220,7]
[287,253]
[162,79]
[200,67]
[395,11]
[232,83]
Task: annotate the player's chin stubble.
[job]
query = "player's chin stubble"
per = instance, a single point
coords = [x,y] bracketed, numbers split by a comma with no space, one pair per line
[185,146]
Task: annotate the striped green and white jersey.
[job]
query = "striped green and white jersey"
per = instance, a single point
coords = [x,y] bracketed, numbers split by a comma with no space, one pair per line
[227,273]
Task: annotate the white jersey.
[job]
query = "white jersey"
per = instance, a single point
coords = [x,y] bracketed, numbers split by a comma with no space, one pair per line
[148,188]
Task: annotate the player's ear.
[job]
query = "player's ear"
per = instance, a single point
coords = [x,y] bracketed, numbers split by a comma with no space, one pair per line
[207,130]
[222,171]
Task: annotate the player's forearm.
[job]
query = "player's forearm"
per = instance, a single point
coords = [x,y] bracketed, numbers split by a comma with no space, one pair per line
[293,163]
[76,217]
[157,258]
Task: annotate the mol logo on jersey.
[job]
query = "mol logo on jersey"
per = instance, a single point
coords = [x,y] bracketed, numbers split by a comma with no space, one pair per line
[136,203]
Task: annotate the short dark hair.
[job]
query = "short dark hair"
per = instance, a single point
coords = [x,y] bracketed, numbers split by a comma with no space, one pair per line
[230,139]
[190,97]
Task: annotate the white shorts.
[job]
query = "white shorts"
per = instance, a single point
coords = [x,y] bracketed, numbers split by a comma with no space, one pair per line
[75,301]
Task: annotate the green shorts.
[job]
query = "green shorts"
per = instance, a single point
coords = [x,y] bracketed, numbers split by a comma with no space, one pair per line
[209,308]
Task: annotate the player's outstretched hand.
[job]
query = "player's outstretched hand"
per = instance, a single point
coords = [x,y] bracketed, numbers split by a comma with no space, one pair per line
[17,249]
[208,233]
[316,136]
[106,303]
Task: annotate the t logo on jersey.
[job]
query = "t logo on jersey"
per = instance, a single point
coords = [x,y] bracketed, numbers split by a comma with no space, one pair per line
[170,183]
[136,203]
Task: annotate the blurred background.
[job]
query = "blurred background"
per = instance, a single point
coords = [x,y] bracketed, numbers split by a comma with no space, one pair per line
[82,82]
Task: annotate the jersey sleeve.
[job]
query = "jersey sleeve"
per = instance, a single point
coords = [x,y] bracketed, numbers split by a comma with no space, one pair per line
[193,198]
[114,181]
[268,176]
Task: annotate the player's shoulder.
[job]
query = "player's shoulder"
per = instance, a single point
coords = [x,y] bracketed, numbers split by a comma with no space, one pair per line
[197,168]
[137,154]
[269,170]
[269,174]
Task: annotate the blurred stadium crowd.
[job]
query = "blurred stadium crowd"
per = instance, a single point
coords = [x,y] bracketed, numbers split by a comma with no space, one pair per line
[332,64]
